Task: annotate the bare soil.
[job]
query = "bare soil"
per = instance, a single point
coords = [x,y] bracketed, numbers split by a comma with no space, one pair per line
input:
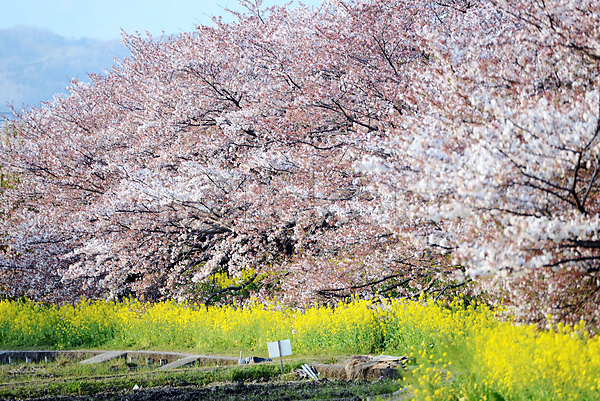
[323,389]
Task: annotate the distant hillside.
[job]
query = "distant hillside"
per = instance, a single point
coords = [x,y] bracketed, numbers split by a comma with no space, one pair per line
[36,64]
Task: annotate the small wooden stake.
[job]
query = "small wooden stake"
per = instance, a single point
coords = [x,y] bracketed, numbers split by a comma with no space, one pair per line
[280,357]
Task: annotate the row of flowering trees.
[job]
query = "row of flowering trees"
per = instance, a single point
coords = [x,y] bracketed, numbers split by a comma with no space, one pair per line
[312,154]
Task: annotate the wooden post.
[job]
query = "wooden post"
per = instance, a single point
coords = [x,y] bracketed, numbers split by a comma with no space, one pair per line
[280,357]
[276,348]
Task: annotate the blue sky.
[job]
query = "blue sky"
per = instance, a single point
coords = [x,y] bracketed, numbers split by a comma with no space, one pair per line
[103,19]
[45,43]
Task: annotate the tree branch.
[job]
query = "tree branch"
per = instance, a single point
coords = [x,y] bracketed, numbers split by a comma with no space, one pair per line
[230,288]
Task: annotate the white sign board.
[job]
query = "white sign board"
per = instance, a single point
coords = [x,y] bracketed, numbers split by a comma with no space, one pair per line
[286,348]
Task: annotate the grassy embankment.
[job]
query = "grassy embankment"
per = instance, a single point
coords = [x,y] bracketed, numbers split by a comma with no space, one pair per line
[461,351]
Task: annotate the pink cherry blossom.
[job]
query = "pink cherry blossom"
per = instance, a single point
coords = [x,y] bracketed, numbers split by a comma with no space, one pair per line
[313,154]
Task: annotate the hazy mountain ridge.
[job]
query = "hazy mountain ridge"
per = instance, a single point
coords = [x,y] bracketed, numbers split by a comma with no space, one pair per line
[36,64]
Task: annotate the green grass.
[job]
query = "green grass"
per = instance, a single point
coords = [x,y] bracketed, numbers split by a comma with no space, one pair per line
[70,378]
[462,351]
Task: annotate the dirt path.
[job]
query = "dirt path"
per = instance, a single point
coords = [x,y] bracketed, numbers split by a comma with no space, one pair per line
[297,390]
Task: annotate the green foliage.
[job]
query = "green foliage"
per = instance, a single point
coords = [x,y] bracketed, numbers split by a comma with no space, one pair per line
[458,350]
[24,323]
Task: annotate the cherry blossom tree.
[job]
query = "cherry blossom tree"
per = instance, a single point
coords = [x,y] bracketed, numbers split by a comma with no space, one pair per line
[224,151]
[313,154]
[505,150]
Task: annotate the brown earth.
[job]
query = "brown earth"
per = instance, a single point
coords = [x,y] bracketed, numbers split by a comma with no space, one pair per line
[323,389]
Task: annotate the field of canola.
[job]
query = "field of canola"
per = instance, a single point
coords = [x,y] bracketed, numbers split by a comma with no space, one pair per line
[462,352]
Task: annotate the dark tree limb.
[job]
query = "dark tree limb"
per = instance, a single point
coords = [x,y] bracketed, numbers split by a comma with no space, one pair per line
[450,286]
[356,287]
[230,288]
[570,260]
[426,291]
[400,284]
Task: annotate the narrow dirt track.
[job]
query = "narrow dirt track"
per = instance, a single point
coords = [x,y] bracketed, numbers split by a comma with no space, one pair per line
[229,392]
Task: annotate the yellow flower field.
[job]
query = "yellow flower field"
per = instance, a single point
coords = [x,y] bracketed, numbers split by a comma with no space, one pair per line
[460,351]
